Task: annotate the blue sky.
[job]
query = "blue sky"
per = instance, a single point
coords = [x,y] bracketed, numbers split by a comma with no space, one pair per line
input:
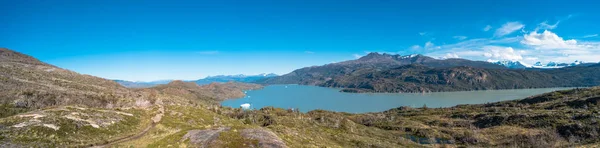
[154,40]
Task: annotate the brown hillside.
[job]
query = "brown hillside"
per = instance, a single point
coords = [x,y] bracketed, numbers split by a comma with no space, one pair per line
[26,82]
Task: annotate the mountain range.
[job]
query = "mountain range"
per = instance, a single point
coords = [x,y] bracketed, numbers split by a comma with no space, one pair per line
[46,106]
[417,73]
[520,65]
[235,78]
[208,80]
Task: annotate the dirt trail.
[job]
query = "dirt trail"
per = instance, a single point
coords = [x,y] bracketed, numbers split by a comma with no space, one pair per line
[155,120]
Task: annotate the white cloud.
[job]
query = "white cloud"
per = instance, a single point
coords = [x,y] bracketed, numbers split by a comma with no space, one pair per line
[590,36]
[429,44]
[528,46]
[356,56]
[208,52]
[548,46]
[508,28]
[309,52]
[460,37]
[450,55]
[548,40]
[415,47]
[422,33]
[502,53]
[487,28]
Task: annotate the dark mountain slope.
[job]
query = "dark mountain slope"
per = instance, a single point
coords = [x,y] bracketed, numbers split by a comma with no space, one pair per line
[317,75]
[419,78]
[417,73]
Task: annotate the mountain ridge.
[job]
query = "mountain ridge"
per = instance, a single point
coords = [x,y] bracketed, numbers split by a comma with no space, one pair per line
[35,84]
[417,73]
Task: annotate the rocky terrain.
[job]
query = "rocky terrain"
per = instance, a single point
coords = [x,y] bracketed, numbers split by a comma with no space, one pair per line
[183,114]
[416,73]
[27,83]
[419,78]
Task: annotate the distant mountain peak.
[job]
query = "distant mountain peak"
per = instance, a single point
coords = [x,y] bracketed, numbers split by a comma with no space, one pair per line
[236,78]
[551,64]
[379,56]
[374,55]
[511,64]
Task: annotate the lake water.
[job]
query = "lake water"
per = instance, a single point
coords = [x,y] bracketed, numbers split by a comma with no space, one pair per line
[308,98]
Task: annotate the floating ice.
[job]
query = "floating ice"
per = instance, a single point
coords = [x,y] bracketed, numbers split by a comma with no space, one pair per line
[245,106]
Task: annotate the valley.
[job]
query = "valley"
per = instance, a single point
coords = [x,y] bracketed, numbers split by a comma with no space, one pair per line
[61,108]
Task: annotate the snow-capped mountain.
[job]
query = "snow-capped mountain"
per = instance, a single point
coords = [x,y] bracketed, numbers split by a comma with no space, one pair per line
[520,65]
[511,64]
[556,65]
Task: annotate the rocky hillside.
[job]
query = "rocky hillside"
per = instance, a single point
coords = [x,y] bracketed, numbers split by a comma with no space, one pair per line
[316,75]
[417,73]
[567,118]
[29,84]
[419,78]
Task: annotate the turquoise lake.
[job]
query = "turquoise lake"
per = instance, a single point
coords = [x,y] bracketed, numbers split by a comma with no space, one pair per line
[307,98]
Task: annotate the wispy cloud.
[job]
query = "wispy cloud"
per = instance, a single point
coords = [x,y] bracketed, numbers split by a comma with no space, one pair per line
[487,28]
[450,55]
[508,28]
[309,52]
[428,46]
[460,37]
[422,33]
[208,52]
[545,26]
[590,36]
[356,56]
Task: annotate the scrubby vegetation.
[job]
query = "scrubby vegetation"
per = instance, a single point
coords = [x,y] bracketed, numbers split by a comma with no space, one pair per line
[70,127]
[45,108]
